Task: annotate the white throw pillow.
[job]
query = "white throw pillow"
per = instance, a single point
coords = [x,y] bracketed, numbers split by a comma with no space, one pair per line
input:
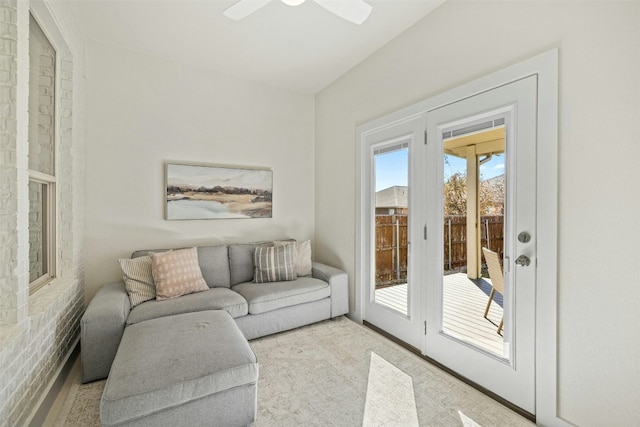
[303,263]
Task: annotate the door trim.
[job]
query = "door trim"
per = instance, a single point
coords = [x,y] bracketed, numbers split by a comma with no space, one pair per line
[545,66]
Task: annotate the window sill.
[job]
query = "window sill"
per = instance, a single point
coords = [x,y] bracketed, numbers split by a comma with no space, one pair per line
[39,303]
[41,300]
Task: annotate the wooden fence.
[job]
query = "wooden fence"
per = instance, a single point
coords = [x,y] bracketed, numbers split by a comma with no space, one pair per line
[391,249]
[391,244]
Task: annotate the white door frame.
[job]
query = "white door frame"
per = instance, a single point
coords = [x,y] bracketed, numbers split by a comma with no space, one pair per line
[545,66]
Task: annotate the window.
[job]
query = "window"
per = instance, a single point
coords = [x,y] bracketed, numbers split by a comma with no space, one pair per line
[42,172]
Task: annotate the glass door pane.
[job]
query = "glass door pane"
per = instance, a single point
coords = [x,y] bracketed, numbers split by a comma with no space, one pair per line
[473,201]
[391,226]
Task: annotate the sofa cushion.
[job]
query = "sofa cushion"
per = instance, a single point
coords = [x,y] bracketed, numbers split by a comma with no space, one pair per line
[263,297]
[172,361]
[213,260]
[177,273]
[213,299]
[274,263]
[214,263]
[241,262]
[138,279]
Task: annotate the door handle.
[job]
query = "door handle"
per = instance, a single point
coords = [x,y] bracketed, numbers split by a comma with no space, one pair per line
[523,261]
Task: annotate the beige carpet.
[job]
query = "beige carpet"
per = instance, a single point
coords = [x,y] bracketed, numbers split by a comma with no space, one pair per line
[338,373]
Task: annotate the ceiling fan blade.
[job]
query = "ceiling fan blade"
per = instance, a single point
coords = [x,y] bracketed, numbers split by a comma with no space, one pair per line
[356,11]
[244,8]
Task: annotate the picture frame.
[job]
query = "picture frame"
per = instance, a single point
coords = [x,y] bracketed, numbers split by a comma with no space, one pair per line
[201,191]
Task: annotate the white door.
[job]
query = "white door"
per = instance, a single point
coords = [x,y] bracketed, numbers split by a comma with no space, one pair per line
[508,369]
[392,297]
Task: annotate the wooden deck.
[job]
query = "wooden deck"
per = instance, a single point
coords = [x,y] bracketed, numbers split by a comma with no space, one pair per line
[394,297]
[464,304]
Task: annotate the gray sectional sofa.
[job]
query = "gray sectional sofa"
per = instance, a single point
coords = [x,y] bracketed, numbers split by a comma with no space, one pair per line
[258,309]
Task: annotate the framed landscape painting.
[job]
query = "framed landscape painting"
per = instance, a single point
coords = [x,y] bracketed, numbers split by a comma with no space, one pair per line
[217,192]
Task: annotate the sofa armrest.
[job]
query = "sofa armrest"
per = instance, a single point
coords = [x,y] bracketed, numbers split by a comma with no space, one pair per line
[339,283]
[101,330]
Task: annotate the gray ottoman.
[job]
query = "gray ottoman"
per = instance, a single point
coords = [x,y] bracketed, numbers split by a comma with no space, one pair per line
[193,369]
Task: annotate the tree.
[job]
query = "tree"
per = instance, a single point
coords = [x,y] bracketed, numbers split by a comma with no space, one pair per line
[492,196]
[455,195]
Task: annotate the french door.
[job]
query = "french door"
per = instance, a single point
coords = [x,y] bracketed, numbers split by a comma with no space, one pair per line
[439,307]
[392,299]
[498,123]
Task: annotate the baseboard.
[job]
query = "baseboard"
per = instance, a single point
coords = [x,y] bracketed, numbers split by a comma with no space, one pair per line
[55,386]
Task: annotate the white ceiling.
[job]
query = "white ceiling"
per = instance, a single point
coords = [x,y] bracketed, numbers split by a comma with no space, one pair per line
[302,48]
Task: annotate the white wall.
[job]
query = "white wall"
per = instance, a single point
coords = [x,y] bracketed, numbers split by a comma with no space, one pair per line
[145,110]
[599,167]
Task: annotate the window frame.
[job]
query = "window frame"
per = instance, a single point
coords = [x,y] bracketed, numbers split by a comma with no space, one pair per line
[50,215]
[49,234]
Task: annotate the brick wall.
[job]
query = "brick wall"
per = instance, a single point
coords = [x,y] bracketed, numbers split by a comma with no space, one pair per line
[38,332]
[8,170]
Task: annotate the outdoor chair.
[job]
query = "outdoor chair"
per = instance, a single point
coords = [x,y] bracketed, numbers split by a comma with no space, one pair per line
[497,279]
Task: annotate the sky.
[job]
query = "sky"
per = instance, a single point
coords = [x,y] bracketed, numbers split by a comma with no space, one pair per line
[391,168]
[210,176]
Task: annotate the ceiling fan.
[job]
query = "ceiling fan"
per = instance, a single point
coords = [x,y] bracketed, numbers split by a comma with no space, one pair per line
[356,11]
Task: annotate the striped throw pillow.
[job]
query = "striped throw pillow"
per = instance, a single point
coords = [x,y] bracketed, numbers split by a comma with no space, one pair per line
[138,279]
[274,263]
